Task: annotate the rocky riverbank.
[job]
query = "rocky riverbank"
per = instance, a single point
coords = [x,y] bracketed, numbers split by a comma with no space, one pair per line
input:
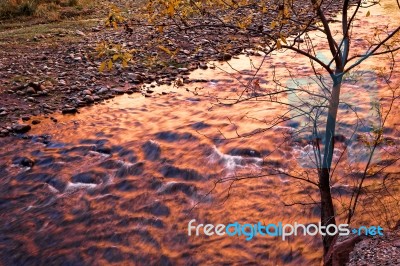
[357,250]
[377,250]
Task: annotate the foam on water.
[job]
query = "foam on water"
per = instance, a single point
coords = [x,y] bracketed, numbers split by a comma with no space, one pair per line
[233,162]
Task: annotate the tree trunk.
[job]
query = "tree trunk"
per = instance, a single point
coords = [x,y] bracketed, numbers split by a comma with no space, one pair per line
[327,208]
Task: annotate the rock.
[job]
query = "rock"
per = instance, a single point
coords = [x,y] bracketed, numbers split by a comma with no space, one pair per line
[80,33]
[30,90]
[136,78]
[102,90]
[183,69]
[134,89]
[136,169]
[96,29]
[179,82]
[80,103]
[151,150]
[35,122]
[203,65]
[86,92]
[88,99]
[90,177]
[338,253]
[118,91]
[225,57]
[3,133]
[23,161]
[245,152]
[3,113]
[21,128]
[103,149]
[69,110]
[26,118]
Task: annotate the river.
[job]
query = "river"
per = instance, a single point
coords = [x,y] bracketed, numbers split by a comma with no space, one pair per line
[119,182]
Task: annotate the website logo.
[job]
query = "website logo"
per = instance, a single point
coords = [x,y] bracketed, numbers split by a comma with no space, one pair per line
[249,231]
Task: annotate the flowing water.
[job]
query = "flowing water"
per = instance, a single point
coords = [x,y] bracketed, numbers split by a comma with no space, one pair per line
[119,182]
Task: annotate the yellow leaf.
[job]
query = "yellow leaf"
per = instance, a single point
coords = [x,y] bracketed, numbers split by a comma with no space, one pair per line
[264,9]
[171,10]
[368,14]
[124,63]
[273,24]
[283,39]
[102,66]
[115,57]
[165,49]
[278,44]
[160,29]
[110,64]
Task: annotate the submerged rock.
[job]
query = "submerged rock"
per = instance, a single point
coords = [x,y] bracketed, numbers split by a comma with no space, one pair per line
[186,174]
[135,169]
[157,209]
[151,150]
[91,177]
[245,152]
[23,161]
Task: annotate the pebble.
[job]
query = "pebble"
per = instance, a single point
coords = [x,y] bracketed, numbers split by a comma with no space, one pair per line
[88,99]
[69,110]
[80,33]
[203,65]
[30,90]
[24,161]
[183,69]
[25,118]
[21,128]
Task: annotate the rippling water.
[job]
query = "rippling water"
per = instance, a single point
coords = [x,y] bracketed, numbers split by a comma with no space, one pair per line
[119,182]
